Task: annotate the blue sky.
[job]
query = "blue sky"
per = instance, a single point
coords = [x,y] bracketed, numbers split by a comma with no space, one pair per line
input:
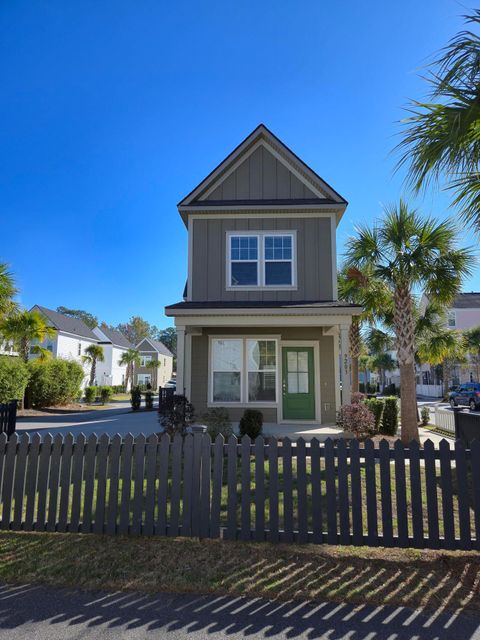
[111,111]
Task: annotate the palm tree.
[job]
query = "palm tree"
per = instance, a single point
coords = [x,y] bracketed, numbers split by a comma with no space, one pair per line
[441,138]
[381,363]
[24,327]
[374,299]
[153,365]
[472,343]
[93,354]
[7,291]
[130,358]
[410,253]
[443,346]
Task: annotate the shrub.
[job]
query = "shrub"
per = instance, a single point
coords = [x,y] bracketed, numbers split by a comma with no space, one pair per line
[390,390]
[425,414]
[218,421]
[106,394]
[90,394]
[358,419]
[55,382]
[390,417]
[118,388]
[376,406]
[136,398]
[357,397]
[371,388]
[149,400]
[251,423]
[178,416]
[14,376]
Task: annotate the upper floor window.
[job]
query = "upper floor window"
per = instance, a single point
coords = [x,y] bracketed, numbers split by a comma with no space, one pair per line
[452,320]
[145,361]
[261,260]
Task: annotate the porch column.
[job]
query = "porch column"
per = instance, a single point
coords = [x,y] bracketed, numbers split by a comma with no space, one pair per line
[345,366]
[187,367]
[180,360]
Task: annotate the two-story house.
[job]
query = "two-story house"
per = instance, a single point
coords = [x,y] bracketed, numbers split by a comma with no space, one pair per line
[261,325]
[156,363]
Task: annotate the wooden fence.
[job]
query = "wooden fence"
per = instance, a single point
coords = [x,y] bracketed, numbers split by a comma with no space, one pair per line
[8,417]
[334,493]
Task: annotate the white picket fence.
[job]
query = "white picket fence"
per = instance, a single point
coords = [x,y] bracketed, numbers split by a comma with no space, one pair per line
[430,390]
[445,420]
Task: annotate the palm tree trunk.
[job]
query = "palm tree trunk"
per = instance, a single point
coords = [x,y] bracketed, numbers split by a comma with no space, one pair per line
[92,371]
[405,337]
[354,336]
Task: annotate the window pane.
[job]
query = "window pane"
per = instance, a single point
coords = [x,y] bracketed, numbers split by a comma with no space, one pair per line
[244,273]
[292,361]
[226,387]
[261,354]
[261,386]
[278,273]
[292,382]
[303,361]
[227,355]
[303,383]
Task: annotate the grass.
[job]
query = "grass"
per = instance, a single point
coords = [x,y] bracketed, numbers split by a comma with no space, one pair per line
[435,580]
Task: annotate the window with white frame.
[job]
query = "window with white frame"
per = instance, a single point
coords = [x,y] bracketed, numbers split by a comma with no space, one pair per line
[79,349]
[452,319]
[261,259]
[243,370]
[144,378]
[145,361]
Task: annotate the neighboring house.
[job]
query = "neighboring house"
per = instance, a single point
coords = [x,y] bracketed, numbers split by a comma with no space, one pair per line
[7,348]
[261,325]
[114,343]
[72,337]
[464,314]
[156,363]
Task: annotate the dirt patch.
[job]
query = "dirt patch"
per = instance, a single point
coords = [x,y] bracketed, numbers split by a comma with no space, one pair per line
[73,407]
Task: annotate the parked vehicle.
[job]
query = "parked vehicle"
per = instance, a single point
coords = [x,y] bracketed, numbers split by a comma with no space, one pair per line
[171,384]
[467,395]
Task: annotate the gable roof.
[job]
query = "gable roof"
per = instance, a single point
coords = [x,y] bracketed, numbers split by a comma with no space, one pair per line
[305,186]
[157,346]
[467,301]
[115,337]
[66,324]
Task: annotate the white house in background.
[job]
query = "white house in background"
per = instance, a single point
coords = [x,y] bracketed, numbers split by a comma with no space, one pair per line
[72,337]
[7,348]
[114,343]
[158,374]
[464,313]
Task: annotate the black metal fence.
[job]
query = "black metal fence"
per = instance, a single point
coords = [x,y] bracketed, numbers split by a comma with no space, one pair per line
[334,492]
[8,417]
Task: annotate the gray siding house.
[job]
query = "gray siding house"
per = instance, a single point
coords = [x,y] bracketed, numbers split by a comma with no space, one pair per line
[156,363]
[260,325]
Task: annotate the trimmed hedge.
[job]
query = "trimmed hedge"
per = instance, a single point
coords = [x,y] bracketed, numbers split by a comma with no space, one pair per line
[376,406]
[55,382]
[14,376]
[106,393]
[390,417]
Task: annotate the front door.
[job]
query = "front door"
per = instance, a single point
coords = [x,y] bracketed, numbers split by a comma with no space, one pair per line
[298,384]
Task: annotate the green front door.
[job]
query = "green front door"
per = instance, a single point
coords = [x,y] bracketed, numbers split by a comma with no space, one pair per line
[298,384]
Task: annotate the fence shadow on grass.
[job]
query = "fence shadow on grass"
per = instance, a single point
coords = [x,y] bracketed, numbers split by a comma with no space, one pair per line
[360,589]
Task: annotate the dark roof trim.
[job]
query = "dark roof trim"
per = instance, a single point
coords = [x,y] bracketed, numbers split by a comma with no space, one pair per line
[261,304]
[252,203]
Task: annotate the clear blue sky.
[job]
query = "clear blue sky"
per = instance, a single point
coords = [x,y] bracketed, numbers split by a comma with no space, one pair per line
[111,111]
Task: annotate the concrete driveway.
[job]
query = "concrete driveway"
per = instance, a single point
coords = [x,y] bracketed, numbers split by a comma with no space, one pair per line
[51,614]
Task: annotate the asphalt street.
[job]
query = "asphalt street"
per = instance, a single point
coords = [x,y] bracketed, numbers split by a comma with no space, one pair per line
[40,613]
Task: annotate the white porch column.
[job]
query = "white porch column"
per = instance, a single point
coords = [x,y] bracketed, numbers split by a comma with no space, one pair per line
[345,366]
[187,366]
[180,359]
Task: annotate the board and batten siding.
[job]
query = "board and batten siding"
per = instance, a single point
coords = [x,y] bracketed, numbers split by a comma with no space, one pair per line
[200,369]
[314,258]
[261,176]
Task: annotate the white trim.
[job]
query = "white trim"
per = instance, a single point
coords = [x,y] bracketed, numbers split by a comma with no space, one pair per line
[261,262]
[244,403]
[336,367]
[317,384]
[262,211]
[241,159]
[187,369]
[252,317]
[261,135]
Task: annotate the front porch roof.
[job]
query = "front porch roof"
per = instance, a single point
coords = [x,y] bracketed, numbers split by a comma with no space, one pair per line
[264,308]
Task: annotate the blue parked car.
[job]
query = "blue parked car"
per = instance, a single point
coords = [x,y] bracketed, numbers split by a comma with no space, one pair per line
[467,395]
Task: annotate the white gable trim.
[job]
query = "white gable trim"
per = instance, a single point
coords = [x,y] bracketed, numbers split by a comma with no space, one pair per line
[275,154]
[232,161]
